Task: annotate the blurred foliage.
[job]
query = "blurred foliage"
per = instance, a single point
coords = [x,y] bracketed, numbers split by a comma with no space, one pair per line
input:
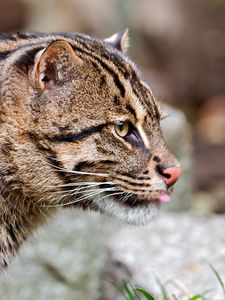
[136,293]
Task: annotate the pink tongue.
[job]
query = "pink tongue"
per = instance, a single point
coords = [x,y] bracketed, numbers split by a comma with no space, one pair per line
[164,198]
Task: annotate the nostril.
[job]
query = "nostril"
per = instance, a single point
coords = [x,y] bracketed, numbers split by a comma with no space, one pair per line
[170,175]
[160,171]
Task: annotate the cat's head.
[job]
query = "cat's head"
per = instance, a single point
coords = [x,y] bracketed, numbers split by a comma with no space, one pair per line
[91,135]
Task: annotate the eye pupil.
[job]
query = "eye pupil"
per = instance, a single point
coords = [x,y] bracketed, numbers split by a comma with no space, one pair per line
[120,125]
[122,128]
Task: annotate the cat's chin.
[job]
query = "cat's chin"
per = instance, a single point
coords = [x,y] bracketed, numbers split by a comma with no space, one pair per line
[138,213]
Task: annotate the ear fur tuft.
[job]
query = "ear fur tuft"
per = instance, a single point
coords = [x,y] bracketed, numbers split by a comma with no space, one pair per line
[120,40]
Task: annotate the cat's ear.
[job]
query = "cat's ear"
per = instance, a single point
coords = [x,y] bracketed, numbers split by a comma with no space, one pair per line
[120,40]
[52,64]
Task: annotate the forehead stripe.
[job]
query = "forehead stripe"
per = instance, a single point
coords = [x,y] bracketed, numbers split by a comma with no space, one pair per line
[143,94]
[131,110]
[115,76]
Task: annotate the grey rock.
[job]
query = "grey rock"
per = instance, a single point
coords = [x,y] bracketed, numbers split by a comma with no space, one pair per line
[63,261]
[176,249]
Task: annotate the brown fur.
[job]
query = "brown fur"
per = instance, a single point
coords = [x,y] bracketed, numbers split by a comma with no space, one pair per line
[61,96]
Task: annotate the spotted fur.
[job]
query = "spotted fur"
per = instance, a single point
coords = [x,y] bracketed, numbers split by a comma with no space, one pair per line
[61,96]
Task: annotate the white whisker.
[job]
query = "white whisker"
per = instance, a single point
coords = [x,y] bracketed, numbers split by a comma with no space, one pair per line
[91,193]
[110,195]
[96,191]
[78,172]
[82,183]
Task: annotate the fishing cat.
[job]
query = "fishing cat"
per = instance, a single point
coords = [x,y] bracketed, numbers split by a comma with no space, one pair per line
[78,128]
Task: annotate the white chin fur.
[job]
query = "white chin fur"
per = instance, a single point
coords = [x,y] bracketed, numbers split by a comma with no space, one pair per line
[139,215]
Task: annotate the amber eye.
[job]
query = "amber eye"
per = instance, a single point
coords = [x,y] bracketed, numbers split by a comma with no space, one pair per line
[122,128]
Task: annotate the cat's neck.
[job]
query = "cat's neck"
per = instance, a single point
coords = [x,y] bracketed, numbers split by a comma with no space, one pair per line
[17,221]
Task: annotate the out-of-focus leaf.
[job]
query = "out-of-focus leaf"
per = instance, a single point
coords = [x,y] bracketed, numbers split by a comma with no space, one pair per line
[129,294]
[196,297]
[218,278]
[146,294]
[163,290]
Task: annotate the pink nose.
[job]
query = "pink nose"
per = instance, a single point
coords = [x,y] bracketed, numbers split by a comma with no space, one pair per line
[171,175]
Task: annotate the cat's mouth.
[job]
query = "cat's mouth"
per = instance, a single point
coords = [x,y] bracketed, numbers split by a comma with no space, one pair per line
[135,201]
[132,208]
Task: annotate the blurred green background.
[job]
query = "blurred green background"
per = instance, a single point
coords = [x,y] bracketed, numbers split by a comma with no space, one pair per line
[180,47]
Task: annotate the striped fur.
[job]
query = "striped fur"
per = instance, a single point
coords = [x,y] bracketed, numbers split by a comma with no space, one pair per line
[62,97]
